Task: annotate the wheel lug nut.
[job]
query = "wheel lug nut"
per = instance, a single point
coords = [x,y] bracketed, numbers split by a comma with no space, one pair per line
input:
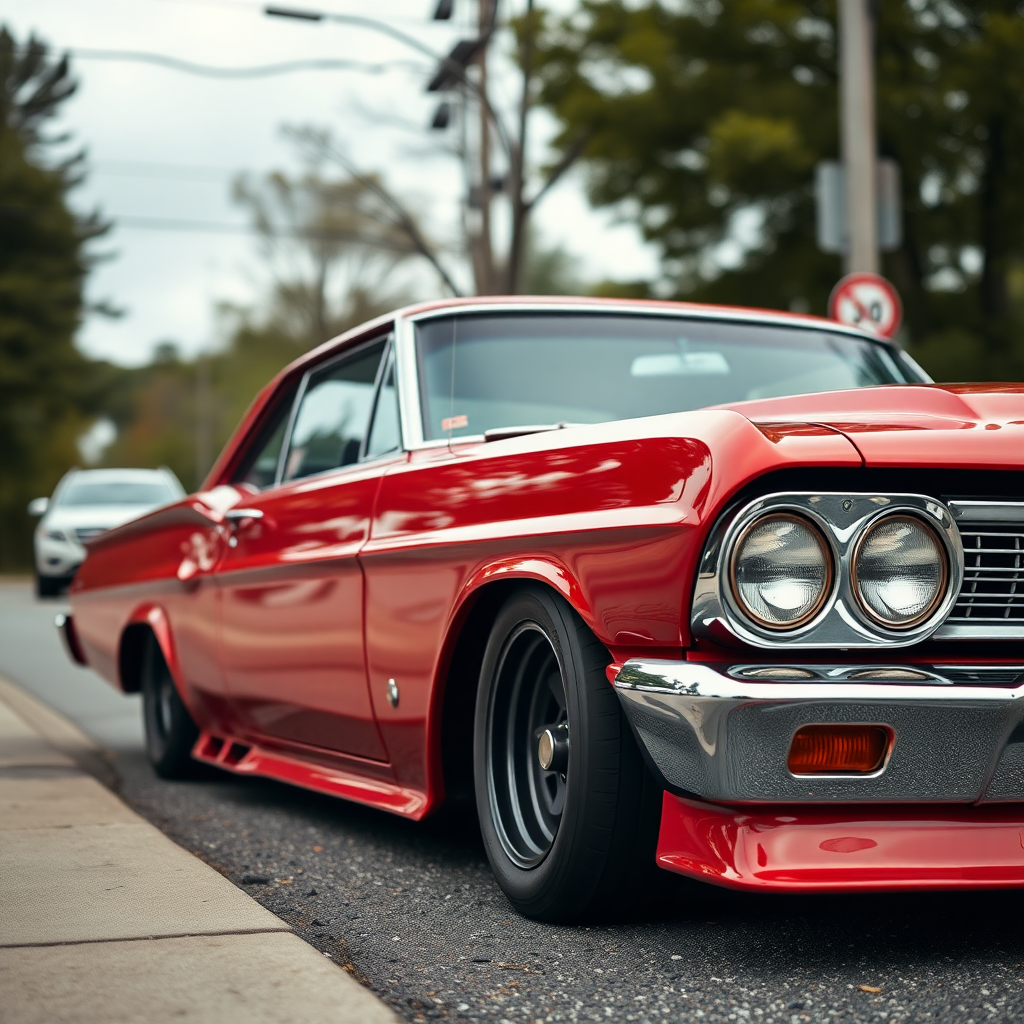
[553,749]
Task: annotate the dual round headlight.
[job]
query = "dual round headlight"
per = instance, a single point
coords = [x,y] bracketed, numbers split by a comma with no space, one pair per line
[783,571]
[899,571]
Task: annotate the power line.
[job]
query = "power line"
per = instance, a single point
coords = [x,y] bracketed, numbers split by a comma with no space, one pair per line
[209,227]
[228,228]
[258,71]
[249,8]
[147,169]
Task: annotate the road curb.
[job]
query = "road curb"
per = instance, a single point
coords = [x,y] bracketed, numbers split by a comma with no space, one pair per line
[59,732]
[104,918]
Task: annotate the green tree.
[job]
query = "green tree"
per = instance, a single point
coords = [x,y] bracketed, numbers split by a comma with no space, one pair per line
[46,389]
[705,119]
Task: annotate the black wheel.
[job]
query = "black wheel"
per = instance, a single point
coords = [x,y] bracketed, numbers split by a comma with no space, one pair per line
[170,731]
[49,586]
[569,813]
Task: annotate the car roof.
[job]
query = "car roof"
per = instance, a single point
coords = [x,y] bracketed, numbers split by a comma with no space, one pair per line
[581,304]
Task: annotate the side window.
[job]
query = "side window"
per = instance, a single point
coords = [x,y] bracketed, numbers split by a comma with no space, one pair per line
[385,434]
[330,426]
[259,466]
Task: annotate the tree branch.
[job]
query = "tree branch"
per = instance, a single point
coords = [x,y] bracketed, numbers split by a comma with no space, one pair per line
[569,157]
[403,219]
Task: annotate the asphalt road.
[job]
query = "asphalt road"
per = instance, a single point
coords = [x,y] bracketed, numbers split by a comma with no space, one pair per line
[411,909]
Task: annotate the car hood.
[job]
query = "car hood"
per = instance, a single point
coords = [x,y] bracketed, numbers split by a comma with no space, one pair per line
[93,517]
[961,426]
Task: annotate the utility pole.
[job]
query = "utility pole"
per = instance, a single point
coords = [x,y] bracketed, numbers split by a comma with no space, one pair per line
[484,252]
[858,142]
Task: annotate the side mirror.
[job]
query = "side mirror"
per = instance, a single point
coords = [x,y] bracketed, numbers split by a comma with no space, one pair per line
[38,506]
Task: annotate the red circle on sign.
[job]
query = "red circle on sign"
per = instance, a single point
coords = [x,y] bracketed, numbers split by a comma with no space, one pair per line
[867,301]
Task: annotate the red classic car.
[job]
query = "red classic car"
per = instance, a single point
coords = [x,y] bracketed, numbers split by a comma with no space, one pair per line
[736,593]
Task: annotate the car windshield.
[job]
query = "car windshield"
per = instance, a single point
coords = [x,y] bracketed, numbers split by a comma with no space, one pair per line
[487,372]
[120,492]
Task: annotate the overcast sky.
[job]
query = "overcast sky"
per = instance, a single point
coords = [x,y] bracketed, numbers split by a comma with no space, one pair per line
[164,146]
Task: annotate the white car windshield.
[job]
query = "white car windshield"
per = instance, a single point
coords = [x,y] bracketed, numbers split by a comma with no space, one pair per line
[488,372]
[121,492]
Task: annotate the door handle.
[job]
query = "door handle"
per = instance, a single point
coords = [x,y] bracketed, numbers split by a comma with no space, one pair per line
[236,518]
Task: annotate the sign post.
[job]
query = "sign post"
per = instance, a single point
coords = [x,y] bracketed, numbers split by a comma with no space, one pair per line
[857,134]
[867,301]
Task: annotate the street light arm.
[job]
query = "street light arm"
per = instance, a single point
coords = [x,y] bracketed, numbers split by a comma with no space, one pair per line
[373,25]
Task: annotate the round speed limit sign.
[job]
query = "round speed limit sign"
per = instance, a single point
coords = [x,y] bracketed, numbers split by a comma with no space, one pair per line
[866,301]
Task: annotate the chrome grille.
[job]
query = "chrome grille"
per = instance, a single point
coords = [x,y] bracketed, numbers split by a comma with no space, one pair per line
[993,587]
[84,533]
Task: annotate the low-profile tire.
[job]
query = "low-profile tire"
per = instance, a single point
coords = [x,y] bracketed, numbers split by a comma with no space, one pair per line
[170,731]
[49,586]
[572,845]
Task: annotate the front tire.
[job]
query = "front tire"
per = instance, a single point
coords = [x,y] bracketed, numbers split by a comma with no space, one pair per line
[575,841]
[170,731]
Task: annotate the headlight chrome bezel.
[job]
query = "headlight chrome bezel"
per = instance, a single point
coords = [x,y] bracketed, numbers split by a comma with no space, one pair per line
[841,621]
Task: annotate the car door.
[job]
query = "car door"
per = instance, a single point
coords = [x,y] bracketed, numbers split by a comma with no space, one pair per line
[292,587]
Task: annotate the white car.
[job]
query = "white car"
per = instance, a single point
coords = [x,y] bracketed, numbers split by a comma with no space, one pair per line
[85,503]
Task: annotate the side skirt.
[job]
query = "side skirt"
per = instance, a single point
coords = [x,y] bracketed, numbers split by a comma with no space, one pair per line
[245,758]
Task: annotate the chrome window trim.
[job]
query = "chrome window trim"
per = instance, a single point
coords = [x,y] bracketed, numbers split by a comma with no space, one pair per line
[721,315]
[286,441]
[300,393]
[409,414]
[386,361]
[844,518]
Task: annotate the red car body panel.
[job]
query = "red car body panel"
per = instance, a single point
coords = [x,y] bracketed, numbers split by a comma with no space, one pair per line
[283,647]
[964,426]
[818,849]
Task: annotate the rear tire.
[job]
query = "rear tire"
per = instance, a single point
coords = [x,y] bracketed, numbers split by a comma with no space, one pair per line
[564,845]
[170,731]
[49,586]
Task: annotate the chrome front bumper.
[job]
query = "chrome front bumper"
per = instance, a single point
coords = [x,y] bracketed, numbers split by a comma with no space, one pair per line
[711,733]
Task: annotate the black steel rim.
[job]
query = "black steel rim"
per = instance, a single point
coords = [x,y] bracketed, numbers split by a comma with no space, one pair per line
[528,696]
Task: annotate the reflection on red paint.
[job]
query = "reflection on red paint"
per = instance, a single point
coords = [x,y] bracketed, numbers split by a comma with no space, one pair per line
[846,844]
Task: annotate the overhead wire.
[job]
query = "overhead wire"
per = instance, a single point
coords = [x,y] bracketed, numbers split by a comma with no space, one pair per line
[256,71]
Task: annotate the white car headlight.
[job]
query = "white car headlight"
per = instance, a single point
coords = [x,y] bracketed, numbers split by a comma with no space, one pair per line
[782,571]
[52,534]
[900,571]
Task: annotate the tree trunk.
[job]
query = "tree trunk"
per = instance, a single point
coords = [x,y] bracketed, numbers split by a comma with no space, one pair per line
[482,245]
[517,173]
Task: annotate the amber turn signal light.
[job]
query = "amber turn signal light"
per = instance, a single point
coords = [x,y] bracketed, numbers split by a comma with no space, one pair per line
[839,749]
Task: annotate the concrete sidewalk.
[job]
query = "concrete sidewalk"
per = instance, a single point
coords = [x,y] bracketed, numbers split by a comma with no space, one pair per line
[103,918]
